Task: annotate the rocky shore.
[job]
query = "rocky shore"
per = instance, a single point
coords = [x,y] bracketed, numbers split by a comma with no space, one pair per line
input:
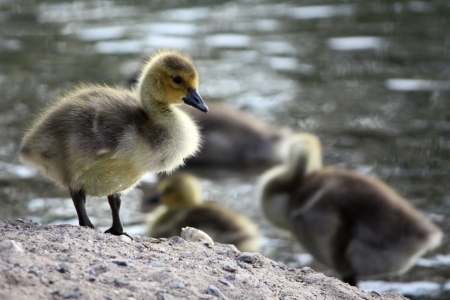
[39,261]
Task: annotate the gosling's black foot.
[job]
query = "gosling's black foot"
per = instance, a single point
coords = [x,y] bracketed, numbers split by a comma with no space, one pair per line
[118,231]
[116,228]
[351,279]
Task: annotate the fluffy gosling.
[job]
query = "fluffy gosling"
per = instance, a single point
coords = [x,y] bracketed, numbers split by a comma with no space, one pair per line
[98,140]
[181,196]
[353,223]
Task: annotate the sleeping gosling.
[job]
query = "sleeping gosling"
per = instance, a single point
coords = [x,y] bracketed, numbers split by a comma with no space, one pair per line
[353,223]
[98,140]
[234,138]
[182,206]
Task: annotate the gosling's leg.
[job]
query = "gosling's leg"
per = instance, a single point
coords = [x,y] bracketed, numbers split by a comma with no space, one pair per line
[351,279]
[79,200]
[116,228]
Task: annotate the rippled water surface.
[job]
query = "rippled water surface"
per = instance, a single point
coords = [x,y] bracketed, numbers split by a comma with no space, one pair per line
[371,79]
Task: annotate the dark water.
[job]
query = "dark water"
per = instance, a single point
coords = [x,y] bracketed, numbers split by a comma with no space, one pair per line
[371,79]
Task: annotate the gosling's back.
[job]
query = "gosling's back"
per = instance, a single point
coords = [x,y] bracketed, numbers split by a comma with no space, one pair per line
[98,134]
[358,224]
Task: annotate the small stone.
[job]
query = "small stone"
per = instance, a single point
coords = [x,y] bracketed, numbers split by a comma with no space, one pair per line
[123,263]
[120,283]
[125,239]
[207,244]
[34,270]
[230,268]
[306,270]
[140,247]
[107,297]
[157,264]
[282,266]
[212,290]
[63,268]
[98,269]
[248,257]
[223,282]
[44,280]
[11,245]
[242,265]
[178,285]
[230,277]
[175,240]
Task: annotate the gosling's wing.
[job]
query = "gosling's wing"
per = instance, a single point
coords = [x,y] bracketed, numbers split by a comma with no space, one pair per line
[97,119]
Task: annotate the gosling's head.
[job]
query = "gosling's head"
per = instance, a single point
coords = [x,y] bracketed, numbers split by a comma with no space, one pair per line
[180,190]
[305,153]
[170,77]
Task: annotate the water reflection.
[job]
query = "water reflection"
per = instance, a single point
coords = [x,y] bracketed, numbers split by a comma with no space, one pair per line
[315,68]
[320,11]
[411,85]
[356,43]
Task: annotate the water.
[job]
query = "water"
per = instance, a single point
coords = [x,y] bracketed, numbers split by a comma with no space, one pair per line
[371,80]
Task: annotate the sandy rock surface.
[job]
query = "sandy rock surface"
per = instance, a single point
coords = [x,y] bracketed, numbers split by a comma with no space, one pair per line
[39,261]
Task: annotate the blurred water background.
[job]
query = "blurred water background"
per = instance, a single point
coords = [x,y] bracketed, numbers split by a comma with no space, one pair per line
[371,79]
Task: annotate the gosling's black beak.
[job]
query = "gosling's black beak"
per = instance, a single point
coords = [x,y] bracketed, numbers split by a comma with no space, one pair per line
[195,100]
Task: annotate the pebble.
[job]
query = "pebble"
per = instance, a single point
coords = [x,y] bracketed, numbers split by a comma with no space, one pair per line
[140,247]
[176,240]
[248,257]
[177,285]
[230,277]
[223,282]
[212,290]
[230,268]
[63,268]
[157,264]
[11,245]
[125,239]
[120,283]
[123,263]
[306,270]
[34,270]
[282,266]
[98,269]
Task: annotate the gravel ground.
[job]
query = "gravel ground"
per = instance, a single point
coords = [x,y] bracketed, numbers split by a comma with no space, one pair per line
[39,261]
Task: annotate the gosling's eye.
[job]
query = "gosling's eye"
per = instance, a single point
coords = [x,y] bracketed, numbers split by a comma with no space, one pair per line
[177,80]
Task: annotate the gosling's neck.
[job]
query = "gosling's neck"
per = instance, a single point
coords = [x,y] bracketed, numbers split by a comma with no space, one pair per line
[277,184]
[150,95]
[274,195]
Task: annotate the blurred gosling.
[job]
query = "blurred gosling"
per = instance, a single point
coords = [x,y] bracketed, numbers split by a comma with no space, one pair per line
[234,138]
[353,223]
[181,197]
[98,140]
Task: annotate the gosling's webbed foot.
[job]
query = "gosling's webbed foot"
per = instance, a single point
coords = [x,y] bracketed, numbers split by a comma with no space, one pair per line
[351,279]
[116,228]
[118,231]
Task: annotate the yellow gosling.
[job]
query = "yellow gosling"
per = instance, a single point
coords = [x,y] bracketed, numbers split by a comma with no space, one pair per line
[233,137]
[98,140]
[181,197]
[353,223]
